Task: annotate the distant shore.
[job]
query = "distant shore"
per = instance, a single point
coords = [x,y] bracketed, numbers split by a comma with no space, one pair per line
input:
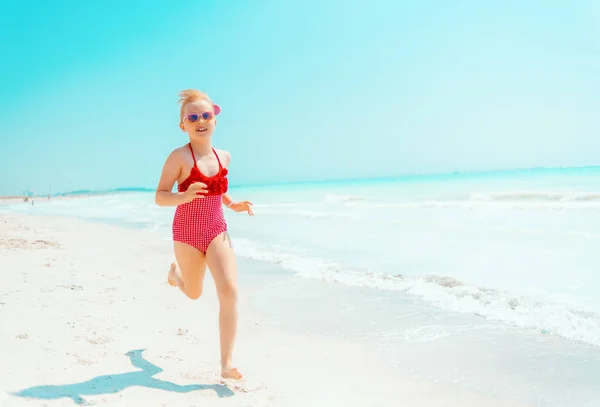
[15,199]
[8,199]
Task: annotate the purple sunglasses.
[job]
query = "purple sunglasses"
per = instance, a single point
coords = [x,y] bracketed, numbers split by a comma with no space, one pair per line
[194,117]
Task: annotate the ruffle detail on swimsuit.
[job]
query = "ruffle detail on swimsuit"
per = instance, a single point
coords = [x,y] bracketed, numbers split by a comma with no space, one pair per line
[216,185]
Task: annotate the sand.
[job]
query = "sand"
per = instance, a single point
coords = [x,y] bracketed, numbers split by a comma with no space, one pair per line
[88,318]
[10,200]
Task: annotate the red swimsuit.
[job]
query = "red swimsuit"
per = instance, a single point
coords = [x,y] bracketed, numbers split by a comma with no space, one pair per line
[198,222]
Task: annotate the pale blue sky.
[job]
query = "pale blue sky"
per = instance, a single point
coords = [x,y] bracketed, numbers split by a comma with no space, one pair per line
[310,90]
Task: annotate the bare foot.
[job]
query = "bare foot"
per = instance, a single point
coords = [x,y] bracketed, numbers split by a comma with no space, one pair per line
[231,373]
[173,277]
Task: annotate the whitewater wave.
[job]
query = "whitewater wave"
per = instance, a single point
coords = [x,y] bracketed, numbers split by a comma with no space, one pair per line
[343,198]
[536,196]
[309,214]
[329,206]
[545,316]
[481,204]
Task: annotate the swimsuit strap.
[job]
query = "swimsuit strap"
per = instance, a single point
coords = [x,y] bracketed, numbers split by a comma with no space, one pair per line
[193,156]
[217,155]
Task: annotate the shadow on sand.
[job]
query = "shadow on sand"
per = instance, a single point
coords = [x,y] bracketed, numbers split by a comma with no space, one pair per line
[114,383]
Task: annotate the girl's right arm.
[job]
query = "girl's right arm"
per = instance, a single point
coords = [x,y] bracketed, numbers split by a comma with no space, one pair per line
[170,172]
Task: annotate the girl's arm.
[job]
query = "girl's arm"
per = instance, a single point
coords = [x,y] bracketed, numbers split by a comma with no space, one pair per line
[227,200]
[243,206]
[170,172]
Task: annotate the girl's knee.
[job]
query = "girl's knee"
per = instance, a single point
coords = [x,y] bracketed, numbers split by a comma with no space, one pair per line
[194,294]
[228,294]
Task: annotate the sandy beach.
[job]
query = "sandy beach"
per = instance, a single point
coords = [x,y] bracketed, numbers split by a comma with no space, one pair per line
[88,318]
[8,200]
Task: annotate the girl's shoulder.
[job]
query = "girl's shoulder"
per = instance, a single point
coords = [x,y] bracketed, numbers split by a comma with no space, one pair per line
[179,155]
[224,156]
[182,151]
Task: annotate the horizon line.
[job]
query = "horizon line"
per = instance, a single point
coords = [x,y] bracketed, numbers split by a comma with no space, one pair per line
[391,178]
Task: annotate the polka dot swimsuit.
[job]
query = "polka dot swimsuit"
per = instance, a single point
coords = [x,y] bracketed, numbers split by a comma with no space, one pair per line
[198,222]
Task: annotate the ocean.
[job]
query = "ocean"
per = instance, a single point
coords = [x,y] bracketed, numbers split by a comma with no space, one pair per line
[503,258]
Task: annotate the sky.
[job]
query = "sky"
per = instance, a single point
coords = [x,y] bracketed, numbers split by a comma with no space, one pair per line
[311,90]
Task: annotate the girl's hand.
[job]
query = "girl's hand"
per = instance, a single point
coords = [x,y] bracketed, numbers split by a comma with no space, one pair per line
[244,206]
[194,191]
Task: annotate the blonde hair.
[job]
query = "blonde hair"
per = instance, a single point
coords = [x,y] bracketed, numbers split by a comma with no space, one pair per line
[188,96]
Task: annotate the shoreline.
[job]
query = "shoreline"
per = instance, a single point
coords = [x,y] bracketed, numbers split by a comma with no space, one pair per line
[79,296]
[13,199]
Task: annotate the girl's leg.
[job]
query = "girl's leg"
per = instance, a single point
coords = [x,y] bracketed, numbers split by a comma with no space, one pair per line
[220,258]
[189,276]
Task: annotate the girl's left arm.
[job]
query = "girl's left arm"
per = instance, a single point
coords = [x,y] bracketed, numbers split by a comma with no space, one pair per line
[243,206]
[227,200]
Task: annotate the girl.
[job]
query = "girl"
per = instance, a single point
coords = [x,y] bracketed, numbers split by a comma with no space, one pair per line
[199,227]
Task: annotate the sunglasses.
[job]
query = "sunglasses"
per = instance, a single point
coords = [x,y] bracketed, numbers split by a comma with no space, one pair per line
[194,117]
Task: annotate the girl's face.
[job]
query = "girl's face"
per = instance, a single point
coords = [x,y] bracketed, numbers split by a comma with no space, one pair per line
[199,119]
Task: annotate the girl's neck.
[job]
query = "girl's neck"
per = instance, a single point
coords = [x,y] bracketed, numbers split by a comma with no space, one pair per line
[201,147]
